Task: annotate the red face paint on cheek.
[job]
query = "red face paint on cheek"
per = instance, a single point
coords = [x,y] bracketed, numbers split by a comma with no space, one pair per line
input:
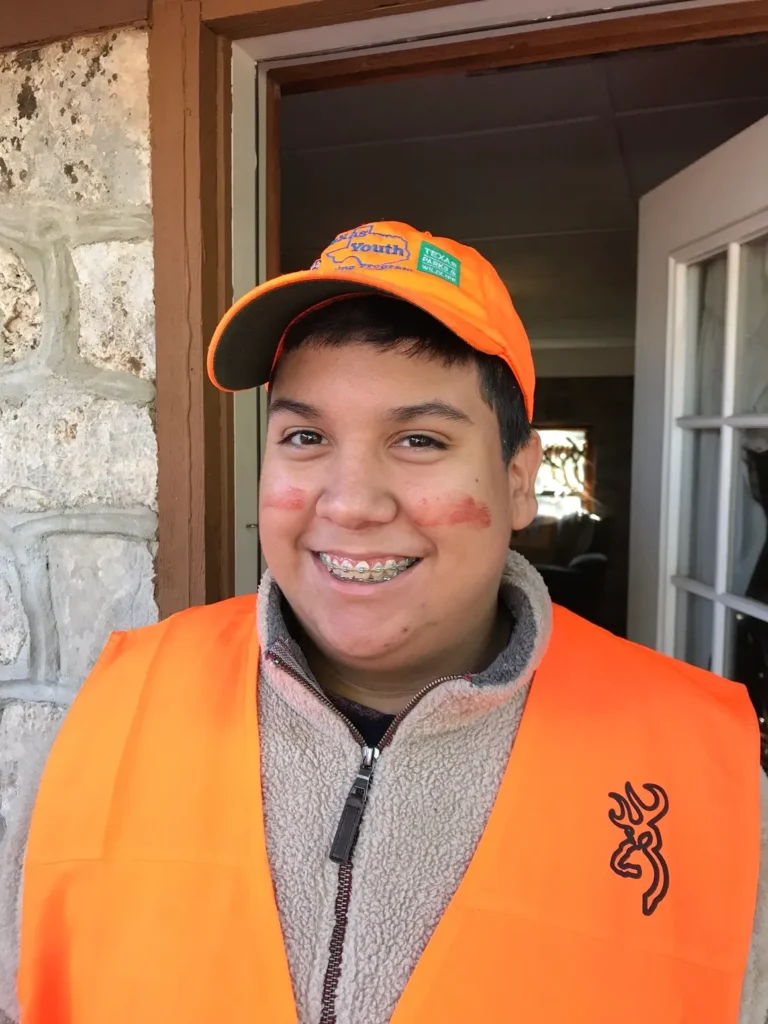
[470,512]
[290,499]
[457,511]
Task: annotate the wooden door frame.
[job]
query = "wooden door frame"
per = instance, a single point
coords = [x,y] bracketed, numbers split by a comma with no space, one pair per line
[190,61]
[533,45]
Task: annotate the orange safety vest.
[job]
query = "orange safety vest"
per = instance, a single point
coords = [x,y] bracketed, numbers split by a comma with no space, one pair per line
[615,881]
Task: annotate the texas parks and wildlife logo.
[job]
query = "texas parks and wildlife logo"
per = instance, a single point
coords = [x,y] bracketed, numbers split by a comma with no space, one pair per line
[639,854]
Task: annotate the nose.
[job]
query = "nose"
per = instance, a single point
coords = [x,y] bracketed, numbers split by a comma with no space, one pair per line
[356,494]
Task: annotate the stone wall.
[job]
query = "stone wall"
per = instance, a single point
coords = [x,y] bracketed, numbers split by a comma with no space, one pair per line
[78,459]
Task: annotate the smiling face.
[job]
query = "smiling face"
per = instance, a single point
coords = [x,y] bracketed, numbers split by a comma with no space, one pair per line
[386,507]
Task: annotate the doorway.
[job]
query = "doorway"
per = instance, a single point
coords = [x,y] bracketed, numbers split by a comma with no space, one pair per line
[558,171]
[541,168]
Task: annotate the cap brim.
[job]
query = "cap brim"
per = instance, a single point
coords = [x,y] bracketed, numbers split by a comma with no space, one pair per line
[242,352]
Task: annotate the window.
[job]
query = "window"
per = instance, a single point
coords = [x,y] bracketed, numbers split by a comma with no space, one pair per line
[717,559]
[562,485]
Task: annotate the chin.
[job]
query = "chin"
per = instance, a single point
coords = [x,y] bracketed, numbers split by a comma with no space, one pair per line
[360,644]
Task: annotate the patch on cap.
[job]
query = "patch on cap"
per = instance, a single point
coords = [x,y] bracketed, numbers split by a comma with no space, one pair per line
[439,263]
[367,248]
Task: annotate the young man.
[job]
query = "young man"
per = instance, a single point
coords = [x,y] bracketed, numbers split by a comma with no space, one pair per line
[400,786]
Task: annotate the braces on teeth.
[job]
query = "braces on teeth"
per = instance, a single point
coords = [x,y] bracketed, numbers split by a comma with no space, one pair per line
[364,572]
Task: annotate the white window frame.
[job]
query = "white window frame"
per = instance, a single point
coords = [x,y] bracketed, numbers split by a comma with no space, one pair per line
[729,241]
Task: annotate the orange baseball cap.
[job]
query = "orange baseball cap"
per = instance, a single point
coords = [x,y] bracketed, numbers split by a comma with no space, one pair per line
[452,282]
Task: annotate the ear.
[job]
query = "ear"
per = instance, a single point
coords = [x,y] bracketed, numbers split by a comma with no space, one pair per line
[522,472]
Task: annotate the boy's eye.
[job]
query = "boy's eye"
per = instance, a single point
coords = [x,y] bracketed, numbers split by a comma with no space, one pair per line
[420,441]
[302,439]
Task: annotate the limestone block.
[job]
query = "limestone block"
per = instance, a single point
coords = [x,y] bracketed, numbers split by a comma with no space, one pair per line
[20,318]
[117,307]
[63,448]
[25,730]
[74,121]
[14,626]
[98,584]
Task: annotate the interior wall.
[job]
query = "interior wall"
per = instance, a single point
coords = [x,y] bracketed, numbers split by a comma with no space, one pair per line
[576,361]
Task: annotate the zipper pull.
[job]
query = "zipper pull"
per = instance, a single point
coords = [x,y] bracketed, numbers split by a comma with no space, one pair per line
[349,823]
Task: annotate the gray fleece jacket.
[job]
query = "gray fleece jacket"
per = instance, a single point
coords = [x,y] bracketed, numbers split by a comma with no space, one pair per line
[435,784]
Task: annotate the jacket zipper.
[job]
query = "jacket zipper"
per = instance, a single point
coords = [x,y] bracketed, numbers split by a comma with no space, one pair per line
[345,839]
[352,813]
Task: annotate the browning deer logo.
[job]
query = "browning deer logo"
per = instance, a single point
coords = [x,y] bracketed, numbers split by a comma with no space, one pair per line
[640,850]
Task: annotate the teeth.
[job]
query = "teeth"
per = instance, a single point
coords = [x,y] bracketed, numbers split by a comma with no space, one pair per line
[364,572]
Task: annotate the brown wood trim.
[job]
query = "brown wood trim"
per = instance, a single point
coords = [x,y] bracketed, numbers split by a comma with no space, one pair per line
[26,23]
[218,410]
[190,186]
[557,42]
[239,19]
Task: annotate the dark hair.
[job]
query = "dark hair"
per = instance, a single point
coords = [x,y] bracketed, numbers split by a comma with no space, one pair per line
[390,323]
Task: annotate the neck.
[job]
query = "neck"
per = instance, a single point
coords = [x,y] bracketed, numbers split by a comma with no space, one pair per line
[390,690]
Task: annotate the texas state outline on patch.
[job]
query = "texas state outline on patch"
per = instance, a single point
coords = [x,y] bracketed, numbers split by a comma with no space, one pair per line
[368,248]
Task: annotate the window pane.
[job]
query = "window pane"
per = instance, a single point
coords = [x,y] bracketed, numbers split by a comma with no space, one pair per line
[706,337]
[747,662]
[562,486]
[698,510]
[693,629]
[749,530]
[752,351]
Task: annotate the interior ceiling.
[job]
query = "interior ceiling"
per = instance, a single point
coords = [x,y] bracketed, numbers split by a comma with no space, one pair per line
[539,167]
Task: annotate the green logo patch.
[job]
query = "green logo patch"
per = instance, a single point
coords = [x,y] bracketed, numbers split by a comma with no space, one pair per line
[438,263]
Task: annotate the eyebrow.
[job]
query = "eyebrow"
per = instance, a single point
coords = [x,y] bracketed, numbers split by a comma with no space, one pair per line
[408,413]
[400,414]
[302,409]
